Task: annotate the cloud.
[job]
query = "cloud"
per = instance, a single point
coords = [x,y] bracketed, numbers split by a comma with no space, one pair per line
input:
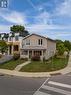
[13,17]
[43,27]
[43,18]
[4,28]
[64,8]
[51,31]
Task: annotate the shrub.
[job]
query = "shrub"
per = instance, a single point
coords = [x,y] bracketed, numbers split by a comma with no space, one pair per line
[16,56]
[0,55]
[35,58]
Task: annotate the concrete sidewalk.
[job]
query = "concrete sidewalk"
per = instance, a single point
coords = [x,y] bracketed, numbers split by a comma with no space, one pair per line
[21,65]
[41,74]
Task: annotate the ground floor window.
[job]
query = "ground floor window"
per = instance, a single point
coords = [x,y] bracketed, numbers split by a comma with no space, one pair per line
[31,53]
[24,52]
[39,53]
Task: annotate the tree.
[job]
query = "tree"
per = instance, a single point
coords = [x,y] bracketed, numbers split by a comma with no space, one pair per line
[58,42]
[25,33]
[61,48]
[67,45]
[3,46]
[19,29]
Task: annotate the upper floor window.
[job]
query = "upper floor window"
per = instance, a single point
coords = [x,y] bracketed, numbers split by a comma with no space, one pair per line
[27,42]
[40,41]
[16,38]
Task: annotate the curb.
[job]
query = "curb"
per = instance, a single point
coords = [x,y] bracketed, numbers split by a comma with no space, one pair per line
[41,74]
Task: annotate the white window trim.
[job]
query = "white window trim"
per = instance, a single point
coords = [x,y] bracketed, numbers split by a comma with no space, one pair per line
[27,41]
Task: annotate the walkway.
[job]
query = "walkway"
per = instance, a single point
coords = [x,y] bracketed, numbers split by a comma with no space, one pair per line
[21,65]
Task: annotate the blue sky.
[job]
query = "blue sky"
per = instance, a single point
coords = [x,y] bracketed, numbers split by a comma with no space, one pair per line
[51,18]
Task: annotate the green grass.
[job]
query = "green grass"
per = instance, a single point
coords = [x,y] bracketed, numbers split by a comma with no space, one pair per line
[38,66]
[11,64]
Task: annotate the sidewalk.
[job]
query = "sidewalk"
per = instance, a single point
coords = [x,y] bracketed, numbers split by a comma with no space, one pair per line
[41,74]
[21,65]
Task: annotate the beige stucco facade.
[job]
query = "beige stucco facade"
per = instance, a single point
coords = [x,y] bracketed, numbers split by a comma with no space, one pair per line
[37,45]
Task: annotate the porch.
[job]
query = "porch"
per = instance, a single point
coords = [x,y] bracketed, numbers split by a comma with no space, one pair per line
[30,53]
[12,49]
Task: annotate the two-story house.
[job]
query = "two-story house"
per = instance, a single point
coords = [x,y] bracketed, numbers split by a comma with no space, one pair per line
[14,43]
[36,45]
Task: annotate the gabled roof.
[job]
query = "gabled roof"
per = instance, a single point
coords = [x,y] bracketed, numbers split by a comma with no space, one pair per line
[39,36]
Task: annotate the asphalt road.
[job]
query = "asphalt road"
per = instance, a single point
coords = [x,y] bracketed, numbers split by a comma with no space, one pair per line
[10,85]
[55,85]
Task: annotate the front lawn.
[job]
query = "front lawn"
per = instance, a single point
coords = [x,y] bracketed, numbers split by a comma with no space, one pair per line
[11,64]
[50,65]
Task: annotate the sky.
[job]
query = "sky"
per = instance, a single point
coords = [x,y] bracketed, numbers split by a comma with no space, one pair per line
[50,18]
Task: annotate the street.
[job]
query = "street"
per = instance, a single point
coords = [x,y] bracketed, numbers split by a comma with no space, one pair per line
[55,85]
[11,85]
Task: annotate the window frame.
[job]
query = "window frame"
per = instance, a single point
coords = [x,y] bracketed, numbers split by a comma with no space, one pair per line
[40,41]
[28,42]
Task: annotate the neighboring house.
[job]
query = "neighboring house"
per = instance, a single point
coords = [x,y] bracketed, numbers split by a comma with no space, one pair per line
[13,41]
[36,45]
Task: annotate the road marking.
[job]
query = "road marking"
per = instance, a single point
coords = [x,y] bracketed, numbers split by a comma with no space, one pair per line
[59,84]
[41,86]
[41,93]
[56,90]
